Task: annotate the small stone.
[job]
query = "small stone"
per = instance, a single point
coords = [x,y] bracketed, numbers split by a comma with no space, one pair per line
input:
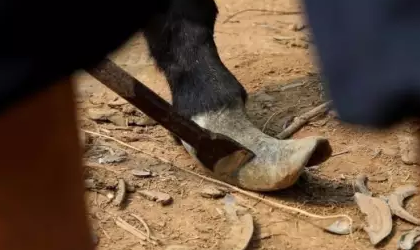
[130,188]
[342,177]
[212,192]
[162,169]
[101,114]
[110,196]
[116,103]
[159,197]
[138,130]
[299,44]
[109,115]
[118,120]
[112,159]
[128,109]
[141,173]
[340,227]
[141,121]
[409,148]
[130,137]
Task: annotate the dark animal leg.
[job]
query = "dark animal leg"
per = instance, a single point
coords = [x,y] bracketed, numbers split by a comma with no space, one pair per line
[181,41]
[203,89]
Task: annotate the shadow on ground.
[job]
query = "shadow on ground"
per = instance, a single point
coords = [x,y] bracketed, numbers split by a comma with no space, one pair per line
[271,108]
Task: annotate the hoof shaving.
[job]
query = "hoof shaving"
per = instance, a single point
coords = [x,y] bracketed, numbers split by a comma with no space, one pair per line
[409,239]
[396,199]
[378,215]
[340,227]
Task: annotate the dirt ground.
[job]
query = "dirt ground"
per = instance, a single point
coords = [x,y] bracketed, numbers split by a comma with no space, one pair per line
[274,60]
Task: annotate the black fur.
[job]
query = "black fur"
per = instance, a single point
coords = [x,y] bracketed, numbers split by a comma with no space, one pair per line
[181,41]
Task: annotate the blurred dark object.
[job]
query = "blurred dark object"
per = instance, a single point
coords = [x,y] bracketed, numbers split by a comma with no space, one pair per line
[370,58]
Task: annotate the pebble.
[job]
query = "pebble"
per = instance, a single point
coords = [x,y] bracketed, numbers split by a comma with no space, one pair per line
[101,114]
[130,137]
[159,197]
[110,195]
[299,44]
[212,192]
[116,103]
[409,148]
[141,173]
[130,188]
[141,121]
[113,116]
[340,227]
[138,130]
[112,159]
[128,109]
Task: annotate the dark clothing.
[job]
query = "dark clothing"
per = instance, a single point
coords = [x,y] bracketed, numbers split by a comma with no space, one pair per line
[370,57]
[43,41]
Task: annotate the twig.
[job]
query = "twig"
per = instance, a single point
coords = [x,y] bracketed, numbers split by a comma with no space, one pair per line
[269,119]
[300,121]
[129,228]
[148,235]
[99,166]
[143,223]
[226,185]
[340,153]
[126,144]
[191,239]
[292,85]
[104,231]
[133,230]
[283,38]
[262,10]
[120,194]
